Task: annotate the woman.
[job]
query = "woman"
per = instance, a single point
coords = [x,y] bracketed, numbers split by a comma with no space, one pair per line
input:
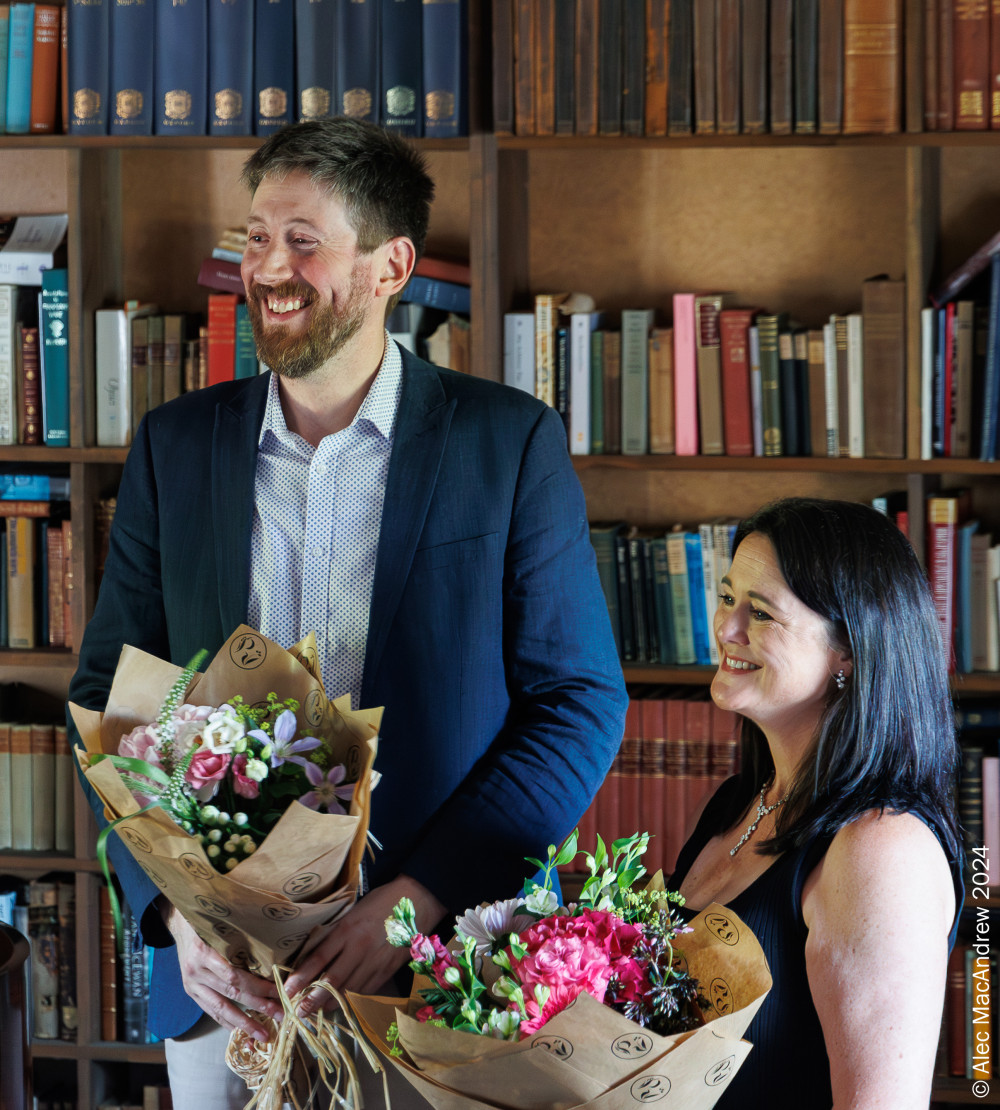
[838,842]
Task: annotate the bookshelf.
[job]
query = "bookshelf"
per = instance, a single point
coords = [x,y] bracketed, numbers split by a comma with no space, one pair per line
[796,221]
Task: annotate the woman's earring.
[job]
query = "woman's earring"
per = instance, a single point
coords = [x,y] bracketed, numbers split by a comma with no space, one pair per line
[840,679]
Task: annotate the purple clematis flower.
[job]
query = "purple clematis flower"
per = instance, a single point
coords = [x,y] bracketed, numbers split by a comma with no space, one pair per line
[328,791]
[283,747]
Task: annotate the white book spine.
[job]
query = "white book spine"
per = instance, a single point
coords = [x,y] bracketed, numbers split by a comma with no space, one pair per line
[43,789]
[581,325]
[855,387]
[927,329]
[8,313]
[20,787]
[519,350]
[706,533]
[112,367]
[831,395]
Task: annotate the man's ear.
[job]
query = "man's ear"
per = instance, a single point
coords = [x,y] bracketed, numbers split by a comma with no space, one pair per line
[397,258]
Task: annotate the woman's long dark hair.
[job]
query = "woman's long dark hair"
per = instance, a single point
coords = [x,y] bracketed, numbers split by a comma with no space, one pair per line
[887,740]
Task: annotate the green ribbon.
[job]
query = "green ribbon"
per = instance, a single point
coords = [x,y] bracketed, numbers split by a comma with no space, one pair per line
[147,770]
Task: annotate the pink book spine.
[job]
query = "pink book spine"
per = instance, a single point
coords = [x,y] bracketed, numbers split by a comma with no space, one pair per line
[685,376]
[991,816]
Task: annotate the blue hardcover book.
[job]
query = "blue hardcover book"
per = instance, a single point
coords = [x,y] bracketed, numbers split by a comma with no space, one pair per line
[88,37]
[963,596]
[245,363]
[274,65]
[131,64]
[54,327]
[991,377]
[22,32]
[696,586]
[357,60]
[445,61]
[4,43]
[181,69]
[230,67]
[401,79]
[315,58]
[449,296]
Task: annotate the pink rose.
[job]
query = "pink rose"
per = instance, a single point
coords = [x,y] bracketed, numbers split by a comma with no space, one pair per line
[141,744]
[206,771]
[245,787]
[426,1013]
[430,952]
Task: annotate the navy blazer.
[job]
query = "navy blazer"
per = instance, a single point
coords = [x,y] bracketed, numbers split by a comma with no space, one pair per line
[489,641]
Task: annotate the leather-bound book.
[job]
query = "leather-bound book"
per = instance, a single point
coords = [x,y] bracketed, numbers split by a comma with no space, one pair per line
[680,71]
[502,15]
[873,59]
[805,69]
[564,63]
[831,66]
[883,311]
[524,68]
[727,67]
[754,67]
[657,24]
[781,101]
[633,66]
[705,115]
[585,106]
[609,67]
[971,54]
[545,71]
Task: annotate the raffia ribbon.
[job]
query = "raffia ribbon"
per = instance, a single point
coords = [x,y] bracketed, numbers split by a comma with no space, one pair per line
[318,1040]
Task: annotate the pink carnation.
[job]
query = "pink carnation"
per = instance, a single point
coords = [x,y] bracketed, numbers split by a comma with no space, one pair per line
[430,952]
[206,771]
[245,787]
[570,955]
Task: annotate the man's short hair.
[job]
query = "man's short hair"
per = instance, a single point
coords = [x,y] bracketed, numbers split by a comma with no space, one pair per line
[380,178]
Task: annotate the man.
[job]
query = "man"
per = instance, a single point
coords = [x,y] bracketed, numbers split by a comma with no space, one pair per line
[426,525]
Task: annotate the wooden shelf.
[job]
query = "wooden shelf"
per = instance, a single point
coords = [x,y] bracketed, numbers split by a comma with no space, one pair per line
[788,464]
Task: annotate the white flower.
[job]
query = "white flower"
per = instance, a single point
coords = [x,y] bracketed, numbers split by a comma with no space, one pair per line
[222,730]
[255,769]
[541,901]
[488,924]
[503,1024]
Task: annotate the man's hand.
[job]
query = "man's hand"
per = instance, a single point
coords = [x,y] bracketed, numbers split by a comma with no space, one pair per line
[355,955]
[216,985]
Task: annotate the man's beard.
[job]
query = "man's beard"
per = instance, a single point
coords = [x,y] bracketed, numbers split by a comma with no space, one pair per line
[296,354]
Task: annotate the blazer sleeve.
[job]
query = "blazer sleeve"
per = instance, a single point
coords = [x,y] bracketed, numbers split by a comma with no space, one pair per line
[566,689]
[129,610]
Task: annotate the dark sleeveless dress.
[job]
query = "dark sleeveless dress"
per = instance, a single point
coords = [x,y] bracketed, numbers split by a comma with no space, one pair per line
[788,1068]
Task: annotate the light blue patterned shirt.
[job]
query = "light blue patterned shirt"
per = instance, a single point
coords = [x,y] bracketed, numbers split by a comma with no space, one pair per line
[317,517]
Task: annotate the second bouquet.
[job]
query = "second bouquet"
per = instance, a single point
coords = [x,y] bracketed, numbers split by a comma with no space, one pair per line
[243,792]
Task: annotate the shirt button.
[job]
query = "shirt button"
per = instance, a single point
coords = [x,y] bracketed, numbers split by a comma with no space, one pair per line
[317,550]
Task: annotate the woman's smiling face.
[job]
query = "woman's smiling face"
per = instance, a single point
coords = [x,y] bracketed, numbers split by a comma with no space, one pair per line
[777,658]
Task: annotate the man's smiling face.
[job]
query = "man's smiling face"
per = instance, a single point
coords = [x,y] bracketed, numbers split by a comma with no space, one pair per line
[309,289]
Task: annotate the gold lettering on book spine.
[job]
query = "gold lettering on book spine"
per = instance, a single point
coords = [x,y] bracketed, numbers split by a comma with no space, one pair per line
[177,104]
[357,103]
[315,102]
[86,104]
[439,104]
[228,105]
[273,102]
[128,103]
[400,100]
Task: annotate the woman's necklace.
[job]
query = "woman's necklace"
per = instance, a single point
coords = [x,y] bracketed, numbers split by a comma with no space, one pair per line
[762,812]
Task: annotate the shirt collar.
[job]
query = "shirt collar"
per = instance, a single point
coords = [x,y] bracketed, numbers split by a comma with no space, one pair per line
[378,409]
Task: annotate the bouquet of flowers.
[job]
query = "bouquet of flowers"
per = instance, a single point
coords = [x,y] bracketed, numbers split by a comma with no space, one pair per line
[613,997]
[243,793]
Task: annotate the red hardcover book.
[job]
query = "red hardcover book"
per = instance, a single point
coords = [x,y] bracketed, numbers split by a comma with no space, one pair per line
[994,94]
[698,783]
[221,274]
[45,70]
[56,586]
[221,337]
[630,784]
[444,269]
[955,1014]
[609,803]
[737,415]
[653,758]
[971,59]
[724,753]
[675,771]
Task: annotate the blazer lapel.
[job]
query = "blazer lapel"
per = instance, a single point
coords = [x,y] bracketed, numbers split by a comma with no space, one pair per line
[234,454]
[422,424]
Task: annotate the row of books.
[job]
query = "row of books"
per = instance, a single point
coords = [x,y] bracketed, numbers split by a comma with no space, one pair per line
[963,565]
[36,575]
[961,66]
[971,1014]
[34,362]
[718,379]
[677,748]
[677,67]
[37,787]
[44,911]
[960,360]
[249,67]
[32,46]
[661,586]
[979,799]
